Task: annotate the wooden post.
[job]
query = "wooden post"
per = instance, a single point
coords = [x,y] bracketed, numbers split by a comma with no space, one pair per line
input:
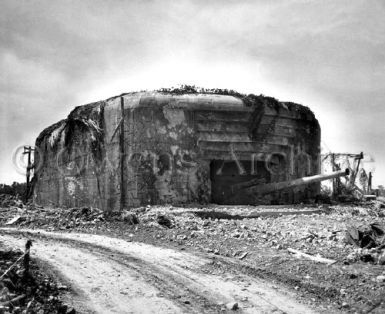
[334,181]
[28,150]
[353,177]
[122,158]
[27,258]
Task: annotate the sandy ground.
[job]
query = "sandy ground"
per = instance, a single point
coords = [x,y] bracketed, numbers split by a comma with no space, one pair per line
[111,275]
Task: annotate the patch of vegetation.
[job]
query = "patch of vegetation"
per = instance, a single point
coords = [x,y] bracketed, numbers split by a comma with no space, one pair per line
[15,189]
[249,100]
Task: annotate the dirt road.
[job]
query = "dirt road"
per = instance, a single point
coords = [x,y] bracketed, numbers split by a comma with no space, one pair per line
[111,275]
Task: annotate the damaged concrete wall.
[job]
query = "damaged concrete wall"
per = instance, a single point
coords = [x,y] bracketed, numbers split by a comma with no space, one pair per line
[158,147]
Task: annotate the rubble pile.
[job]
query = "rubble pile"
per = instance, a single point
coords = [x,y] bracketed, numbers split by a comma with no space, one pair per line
[32,293]
[313,230]
[239,229]
[324,264]
[370,243]
[298,228]
[334,251]
[51,218]
[7,200]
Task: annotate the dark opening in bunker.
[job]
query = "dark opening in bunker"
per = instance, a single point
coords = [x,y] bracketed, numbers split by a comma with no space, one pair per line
[228,180]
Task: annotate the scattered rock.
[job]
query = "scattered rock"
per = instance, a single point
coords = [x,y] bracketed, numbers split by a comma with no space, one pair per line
[130,218]
[181,237]
[236,234]
[381,258]
[243,255]
[62,287]
[380,278]
[232,306]
[163,220]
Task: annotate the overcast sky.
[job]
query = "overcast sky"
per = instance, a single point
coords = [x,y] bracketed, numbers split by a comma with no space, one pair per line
[328,55]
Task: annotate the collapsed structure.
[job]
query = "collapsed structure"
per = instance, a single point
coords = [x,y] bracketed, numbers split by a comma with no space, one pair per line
[177,146]
[357,185]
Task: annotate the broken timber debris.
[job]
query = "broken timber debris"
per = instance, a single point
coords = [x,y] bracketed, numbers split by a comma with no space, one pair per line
[317,259]
[366,236]
[358,186]
[24,257]
[370,243]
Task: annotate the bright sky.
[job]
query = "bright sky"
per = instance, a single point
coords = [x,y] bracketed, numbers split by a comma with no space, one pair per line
[328,55]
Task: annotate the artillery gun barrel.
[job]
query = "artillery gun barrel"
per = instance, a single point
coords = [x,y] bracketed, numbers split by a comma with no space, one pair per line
[277,186]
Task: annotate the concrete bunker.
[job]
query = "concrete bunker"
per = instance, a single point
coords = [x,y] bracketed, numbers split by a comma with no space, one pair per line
[177,147]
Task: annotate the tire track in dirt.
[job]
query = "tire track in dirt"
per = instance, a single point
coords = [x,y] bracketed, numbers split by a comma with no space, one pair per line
[176,274]
[106,286]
